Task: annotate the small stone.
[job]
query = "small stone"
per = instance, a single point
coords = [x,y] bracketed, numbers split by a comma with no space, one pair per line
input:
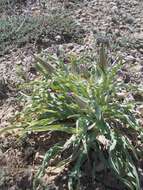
[141,50]
[112,4]
[19,62]
[117,33]
[140,109]
[124,15]
[130,19]
[133,52]
[130,58]
[95,31]
[58,38]
[114,9]
[64,177]
[35,8]
[103,40]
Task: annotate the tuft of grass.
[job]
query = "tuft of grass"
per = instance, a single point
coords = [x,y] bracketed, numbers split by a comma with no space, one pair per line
[9,6]
[16,31]
[84,100]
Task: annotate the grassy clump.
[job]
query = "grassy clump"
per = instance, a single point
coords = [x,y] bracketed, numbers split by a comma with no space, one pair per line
[64,26]
[5,3]
[9,6]
[83,98]
[16,31]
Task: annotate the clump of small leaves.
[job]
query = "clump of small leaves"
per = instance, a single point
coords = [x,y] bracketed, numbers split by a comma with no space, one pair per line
[17,31]
[9,6]
[4,4]
[59,28]
[62,28]
[84,100]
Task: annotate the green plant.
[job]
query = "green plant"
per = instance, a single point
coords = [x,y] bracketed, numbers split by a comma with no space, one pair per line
[16,31]
[9,7]
[84,100]
[4,4]
[63,25]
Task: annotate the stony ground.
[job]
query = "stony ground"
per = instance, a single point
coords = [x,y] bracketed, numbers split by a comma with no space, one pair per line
[118,23]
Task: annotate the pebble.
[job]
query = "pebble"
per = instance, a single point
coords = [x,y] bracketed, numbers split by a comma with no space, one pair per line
[58,38]
[114,9]
[130,58]
[112,4]
[135,3]
[130,19]
[141,50]
[117,32]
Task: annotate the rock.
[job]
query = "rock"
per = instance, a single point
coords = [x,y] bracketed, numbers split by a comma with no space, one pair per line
[58,38]
[141,50]
[112,4]
[130,19]
[130,58]
[114,9]
[29,153]
[140,109]
[135,3]
[103,40]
